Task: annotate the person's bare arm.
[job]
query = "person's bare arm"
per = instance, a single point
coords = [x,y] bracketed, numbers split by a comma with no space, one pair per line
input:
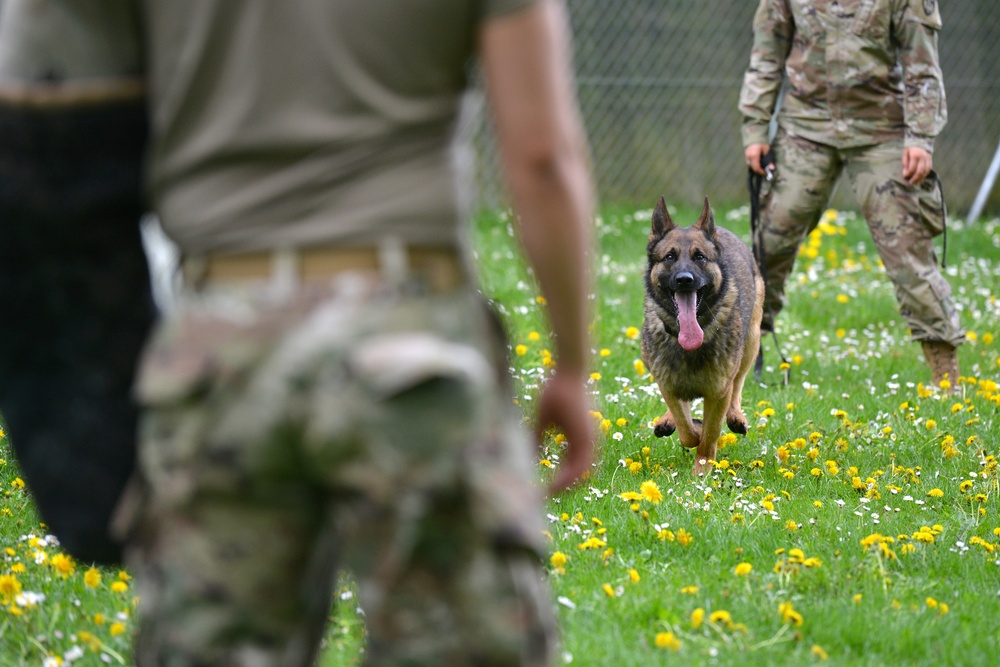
[526,58]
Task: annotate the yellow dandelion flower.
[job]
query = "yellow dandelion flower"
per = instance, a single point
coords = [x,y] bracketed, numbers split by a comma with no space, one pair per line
[605,352]
[545,463]
[620,422]
[558,560]
[726,439]
[690,590]
[99,619]
[10,587]
[931,603]
[633,575]
[684,538]
[743,569]
[818,651]
[116,629]
[651,492]
[667,640]
[789,615]
[987,339]
[857,598]
[635,467]
[721,617]
[631,333]
[697,617]
[608,590]
[595,376]
[534,336]
[639,367]
[935,493]
[17,484]
[119,587]
[92,642]
[63,565]
[92,578]
[521,350]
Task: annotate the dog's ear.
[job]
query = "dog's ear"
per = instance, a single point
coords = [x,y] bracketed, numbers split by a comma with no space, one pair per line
[706,223]
[662,222]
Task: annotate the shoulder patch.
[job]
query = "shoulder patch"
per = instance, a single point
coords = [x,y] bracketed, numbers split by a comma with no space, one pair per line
[927,12]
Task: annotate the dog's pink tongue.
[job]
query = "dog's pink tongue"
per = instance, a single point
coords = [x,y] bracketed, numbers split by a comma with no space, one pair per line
[691,335]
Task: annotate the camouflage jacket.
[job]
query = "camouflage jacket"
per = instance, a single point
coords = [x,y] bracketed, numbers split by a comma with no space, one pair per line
[856,72]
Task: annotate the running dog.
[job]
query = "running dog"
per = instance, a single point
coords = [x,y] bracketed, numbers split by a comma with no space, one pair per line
[701,334]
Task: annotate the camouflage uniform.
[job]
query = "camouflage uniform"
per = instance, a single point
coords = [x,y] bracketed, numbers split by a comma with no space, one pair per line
[356,425]
[862,82]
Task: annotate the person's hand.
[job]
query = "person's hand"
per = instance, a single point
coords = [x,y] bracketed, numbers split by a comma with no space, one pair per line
[753,154]
[565,405]
[917,163]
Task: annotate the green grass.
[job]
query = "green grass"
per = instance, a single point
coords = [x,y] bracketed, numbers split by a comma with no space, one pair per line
[854,404]
[853,446]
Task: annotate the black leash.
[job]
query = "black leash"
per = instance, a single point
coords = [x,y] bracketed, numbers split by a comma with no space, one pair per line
[754,184]
[944,219]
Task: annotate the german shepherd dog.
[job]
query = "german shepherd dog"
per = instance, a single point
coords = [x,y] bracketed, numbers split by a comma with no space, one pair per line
[704,302]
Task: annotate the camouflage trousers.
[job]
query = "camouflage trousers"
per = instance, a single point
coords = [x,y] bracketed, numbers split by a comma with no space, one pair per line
[346,426]
[903,220]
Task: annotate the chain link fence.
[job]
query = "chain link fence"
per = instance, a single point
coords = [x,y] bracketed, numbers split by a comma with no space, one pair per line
[659,83]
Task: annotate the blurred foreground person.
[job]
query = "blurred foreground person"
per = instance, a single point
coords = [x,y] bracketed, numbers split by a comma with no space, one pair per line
[330,389]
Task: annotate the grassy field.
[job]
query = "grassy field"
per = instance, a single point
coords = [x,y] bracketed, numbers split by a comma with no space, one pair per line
[856,524]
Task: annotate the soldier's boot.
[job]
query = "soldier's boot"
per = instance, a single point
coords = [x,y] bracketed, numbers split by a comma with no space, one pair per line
[943,359]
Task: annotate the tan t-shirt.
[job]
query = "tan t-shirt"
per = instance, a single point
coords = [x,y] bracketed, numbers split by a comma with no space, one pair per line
[313,122]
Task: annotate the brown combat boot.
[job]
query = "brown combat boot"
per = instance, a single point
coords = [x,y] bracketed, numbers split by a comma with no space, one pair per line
[943,360]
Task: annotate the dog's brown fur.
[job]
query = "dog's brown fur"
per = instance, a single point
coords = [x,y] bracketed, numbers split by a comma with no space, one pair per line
[710,359]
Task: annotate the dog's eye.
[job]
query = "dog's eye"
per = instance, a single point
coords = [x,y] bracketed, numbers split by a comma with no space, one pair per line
[699,256]
[671,256]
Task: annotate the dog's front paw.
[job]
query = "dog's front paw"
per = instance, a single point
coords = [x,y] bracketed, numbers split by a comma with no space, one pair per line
[738,425]
[736,420]
[662,428]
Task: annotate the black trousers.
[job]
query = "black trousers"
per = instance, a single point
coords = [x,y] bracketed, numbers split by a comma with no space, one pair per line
[76,305]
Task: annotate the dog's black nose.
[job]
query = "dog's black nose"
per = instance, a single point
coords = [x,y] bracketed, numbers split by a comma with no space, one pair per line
[684,279]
